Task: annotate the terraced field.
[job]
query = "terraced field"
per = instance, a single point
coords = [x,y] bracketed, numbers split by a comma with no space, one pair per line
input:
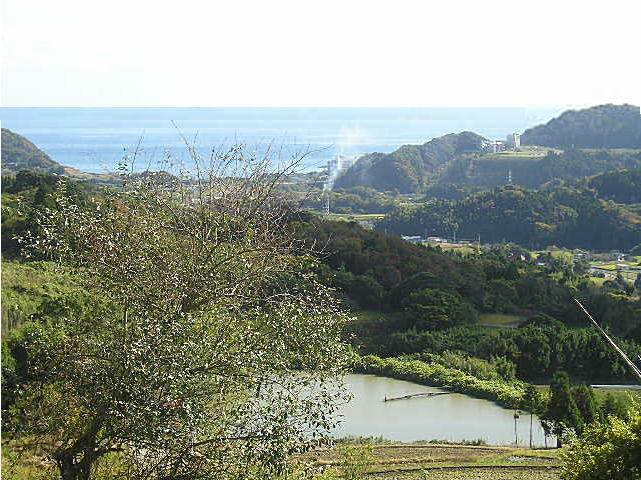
[475,473]
[427,461]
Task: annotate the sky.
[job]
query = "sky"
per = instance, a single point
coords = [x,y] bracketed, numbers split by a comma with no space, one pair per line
[320,53]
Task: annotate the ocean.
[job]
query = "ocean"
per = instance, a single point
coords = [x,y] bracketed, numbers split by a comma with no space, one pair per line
[95,139]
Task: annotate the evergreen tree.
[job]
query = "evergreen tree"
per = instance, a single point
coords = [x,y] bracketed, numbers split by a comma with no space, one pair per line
[562,413]
[586,403]
[612,406]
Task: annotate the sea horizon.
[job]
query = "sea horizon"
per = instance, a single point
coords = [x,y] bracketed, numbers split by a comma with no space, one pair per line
[94,139]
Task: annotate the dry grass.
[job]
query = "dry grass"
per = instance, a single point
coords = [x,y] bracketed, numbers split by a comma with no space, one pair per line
[446,461]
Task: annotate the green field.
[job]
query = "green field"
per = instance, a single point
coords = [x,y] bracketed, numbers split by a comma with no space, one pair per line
[355,217]
[611,267]
[502,320]
[464,249]
[606,266]
[599,281]
[530,155]
[624,394]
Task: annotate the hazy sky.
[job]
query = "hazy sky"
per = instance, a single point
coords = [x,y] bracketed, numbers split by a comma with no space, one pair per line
[323,52]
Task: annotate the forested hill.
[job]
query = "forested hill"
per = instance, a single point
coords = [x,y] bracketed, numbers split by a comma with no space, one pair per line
[532,171]
[432,300]
[585,142]
[622,187]
[568,216]
[603,126]
[18,153]
[410,168]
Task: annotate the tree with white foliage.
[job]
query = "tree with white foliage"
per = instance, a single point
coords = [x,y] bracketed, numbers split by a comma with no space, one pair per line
[213,350]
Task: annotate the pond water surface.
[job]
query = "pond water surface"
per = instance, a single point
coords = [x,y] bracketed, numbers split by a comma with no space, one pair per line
[453,417]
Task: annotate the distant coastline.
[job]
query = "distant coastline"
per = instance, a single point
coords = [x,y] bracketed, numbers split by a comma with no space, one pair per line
[94,139]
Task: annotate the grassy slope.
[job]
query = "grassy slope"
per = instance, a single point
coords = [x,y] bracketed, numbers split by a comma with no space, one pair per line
[621,393]
[25,285]
[500,320]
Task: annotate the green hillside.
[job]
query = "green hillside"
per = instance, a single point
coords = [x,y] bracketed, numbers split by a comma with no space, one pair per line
[603,126]
[535,167]
[568,216]
[574,145]
[410,168]
[18,153]
[622,186]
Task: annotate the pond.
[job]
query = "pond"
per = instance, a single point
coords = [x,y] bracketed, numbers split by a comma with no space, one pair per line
[453,417]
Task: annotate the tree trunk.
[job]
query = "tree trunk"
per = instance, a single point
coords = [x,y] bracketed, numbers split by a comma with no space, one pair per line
[68,469]
[75,462]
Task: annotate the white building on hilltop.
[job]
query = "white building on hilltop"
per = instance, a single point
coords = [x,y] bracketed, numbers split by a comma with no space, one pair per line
[513,140]
[492,146]
[340,163]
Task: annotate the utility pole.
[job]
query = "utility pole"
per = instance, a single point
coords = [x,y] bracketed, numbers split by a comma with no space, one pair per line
[531,415]
[517,414]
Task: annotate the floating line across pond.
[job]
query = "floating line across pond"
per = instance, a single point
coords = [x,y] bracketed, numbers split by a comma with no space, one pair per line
[412,395]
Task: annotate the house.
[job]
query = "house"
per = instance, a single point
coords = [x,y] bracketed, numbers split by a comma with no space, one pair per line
[366,224]
[618,257]
[436,240]
[492,146]
[412,238]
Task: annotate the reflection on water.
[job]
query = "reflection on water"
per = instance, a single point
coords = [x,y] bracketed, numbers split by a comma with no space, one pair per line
[445,417]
